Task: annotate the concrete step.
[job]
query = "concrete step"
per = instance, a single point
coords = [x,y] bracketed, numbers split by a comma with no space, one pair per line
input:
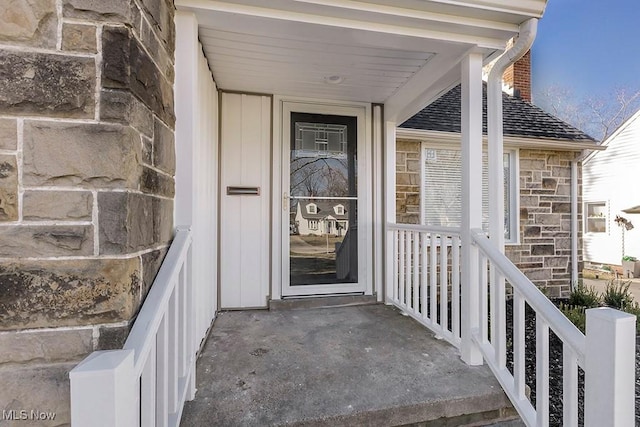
[321,302]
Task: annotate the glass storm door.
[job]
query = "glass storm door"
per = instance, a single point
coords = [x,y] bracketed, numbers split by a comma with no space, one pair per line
[323,205]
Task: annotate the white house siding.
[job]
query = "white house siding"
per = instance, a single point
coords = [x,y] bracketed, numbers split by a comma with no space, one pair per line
[613,176]
[244,219]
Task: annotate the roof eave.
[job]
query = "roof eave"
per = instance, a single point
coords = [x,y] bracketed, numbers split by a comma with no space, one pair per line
[509,140]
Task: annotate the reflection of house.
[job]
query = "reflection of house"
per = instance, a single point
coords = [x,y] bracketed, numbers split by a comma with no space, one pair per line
[611,188]
[322,217]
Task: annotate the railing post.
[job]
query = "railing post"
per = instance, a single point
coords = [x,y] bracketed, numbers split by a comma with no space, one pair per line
[104,390]
[610,366]
[471,135]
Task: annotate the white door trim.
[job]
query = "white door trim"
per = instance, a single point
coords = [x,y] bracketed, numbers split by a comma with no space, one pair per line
[283,106]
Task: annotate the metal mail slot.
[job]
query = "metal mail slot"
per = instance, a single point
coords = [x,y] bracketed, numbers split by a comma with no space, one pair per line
[243,191]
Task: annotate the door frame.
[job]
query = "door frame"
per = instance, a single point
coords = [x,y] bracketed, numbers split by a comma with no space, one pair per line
[283,107]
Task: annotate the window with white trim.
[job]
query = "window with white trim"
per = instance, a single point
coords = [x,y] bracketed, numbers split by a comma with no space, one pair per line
[441,190]
[313,224]
[597,215]
[312,208]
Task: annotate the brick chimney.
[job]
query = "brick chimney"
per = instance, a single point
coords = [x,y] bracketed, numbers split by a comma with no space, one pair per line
[517,78]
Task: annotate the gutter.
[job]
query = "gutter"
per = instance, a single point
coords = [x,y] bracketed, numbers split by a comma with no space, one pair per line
[495,135]
[453,139]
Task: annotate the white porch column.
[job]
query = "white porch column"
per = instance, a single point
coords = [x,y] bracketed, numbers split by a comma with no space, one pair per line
[471,133]
[389,202]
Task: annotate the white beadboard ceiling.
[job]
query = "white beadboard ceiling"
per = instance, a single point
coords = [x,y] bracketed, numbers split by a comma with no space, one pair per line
[384,51]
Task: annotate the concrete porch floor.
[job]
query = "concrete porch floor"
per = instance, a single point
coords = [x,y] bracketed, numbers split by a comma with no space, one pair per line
[358,365]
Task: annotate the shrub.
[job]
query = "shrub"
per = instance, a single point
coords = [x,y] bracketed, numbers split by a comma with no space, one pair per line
[584,296]
[617,295]
[576,314]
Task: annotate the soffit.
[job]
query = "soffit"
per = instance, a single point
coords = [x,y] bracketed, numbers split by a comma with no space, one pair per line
[291,47]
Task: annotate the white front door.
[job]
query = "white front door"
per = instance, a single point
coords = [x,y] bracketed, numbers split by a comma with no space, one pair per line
[324,216]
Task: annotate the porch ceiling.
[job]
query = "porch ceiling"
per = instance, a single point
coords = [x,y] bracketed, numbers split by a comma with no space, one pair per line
[401,53]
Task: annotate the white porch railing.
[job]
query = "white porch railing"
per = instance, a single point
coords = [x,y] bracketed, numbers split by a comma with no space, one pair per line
[147,382]
[606,353]
[426,276]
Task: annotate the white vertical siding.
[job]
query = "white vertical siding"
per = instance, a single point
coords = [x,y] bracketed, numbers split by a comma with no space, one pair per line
[196,100]
[245,221]
[613,176]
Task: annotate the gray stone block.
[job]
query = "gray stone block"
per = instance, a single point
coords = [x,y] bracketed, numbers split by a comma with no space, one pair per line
[45,345]
[38,294]
[79,38]
[8,134]
[81,154]
[8,188]
[57,205]
[112,337]
[151,263]
[29,23]
[120,11]
[156,183]
[41,388]
[133,222]
[46,240]
[46,84]
[122,107]
[164,151]
[126,65]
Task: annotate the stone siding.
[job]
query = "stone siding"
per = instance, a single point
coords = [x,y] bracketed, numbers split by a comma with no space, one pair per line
[408,182]
[544,249]
[87,165]
[544,252]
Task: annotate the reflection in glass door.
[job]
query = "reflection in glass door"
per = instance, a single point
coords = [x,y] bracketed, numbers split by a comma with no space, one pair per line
[323,213]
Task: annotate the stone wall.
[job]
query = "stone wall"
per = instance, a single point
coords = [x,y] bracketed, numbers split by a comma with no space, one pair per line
[87,166]
[545,220]
[408,182]
[544,252]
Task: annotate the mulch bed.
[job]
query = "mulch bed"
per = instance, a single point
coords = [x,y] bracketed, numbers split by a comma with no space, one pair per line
[555,367]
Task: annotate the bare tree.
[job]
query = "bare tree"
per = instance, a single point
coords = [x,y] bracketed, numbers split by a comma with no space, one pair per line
[596,115]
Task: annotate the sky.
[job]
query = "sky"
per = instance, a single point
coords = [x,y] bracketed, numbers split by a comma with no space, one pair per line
[589,47]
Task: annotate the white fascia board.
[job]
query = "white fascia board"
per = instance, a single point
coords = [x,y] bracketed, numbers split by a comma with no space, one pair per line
[199,6]
[510,141]
[529,8]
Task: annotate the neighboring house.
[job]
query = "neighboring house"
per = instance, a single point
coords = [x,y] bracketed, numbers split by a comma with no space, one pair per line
[321,217]
[610,183]
[538,156]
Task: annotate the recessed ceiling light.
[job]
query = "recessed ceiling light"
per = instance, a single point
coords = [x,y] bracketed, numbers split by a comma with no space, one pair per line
[334,80]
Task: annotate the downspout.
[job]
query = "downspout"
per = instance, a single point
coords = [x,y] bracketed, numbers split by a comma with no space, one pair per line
[574,221]
[575,228]
[494,128]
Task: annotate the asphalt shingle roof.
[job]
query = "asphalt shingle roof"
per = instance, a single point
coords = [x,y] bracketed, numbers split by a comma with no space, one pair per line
[520,118]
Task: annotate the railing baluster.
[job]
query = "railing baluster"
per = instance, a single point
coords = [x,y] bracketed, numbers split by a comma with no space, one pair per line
[484,294]
[501,320]
[444,284]
[542,372]
[519,348]
[433,282]
[455,286]
[182,326]
[148,390]
[569,387]
[396,265]
[416,272]
[401,300]
[407,273]
[172,351]
[162,372]
[424,275]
